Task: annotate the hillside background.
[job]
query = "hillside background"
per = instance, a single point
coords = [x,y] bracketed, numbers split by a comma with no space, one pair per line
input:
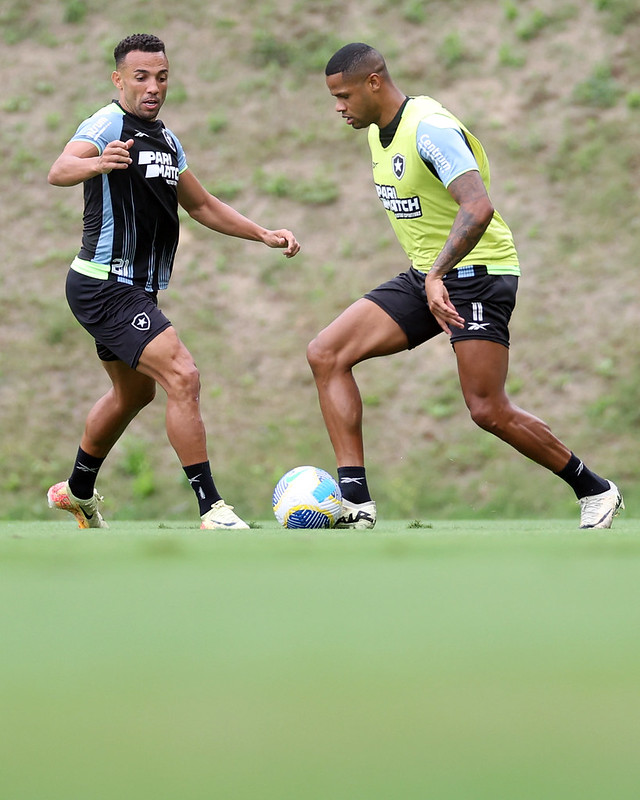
[552,88]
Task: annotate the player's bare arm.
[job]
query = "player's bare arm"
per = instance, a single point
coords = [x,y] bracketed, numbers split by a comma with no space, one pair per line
[211,212]
[80,161]
[471,221]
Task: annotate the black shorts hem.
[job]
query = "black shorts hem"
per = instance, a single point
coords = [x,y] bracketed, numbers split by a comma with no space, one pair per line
[412,324]
[104,354]
[478,338]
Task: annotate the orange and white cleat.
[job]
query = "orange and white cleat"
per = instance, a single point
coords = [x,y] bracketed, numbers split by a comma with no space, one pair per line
[85,511]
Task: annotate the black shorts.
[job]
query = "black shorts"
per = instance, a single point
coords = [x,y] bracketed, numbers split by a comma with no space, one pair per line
[484,301]
[122,319]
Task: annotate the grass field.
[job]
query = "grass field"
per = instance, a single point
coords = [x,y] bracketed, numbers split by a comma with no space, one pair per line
[496,660]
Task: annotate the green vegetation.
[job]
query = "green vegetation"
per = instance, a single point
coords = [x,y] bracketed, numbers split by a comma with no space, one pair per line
[552,91]
[452,50]
[320,190]
[600,89]
[533,25]
[510,56]
[445,660]
[619,14]
[75,11]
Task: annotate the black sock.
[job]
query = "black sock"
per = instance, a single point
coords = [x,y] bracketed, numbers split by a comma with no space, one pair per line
[82,480]
[353,484]
[199,476]
[583,482]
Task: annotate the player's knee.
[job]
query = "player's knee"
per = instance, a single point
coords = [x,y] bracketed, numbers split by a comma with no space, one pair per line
[147,395]
[185,379]
[136,402]
[130,400]
[486,414]
[321,358]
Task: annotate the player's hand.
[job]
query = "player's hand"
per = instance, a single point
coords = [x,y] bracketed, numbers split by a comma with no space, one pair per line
[440,305]
[115,156]
[283,239]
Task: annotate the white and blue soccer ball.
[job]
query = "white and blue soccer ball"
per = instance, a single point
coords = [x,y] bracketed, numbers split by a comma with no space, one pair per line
[307,497]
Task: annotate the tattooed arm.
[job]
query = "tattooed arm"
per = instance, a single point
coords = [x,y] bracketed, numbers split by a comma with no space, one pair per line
[472,220]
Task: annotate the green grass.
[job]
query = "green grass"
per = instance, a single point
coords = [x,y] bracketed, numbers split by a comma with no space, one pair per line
[457,660]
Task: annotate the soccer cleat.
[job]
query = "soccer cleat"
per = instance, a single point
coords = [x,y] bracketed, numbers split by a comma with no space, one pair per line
[85,511]
[221,517]
[357,515]
[598,510]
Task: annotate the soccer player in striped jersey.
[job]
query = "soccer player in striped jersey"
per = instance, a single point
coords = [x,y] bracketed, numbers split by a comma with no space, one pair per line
[135,174]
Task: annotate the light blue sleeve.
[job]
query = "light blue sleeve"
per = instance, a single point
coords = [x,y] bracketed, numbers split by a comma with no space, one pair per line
[103,127]
[441,144]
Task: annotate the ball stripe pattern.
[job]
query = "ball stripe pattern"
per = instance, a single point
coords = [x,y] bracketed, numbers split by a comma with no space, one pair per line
[307,497]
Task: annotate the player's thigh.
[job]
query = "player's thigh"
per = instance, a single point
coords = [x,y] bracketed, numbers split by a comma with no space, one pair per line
[482,368]
[361,331]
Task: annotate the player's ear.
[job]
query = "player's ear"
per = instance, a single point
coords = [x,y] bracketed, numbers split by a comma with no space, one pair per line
[116,79]
[374,82]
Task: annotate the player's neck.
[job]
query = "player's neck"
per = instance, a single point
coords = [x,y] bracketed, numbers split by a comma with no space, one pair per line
[393,102]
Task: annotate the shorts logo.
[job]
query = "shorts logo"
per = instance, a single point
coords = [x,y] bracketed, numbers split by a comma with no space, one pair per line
[141,322]
[398,165]
[478,323]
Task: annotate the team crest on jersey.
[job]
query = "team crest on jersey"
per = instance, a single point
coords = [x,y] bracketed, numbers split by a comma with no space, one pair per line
[141,322]
[169,139]
[398,165]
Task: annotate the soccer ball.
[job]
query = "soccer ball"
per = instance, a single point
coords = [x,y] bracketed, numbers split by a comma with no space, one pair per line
[307,497]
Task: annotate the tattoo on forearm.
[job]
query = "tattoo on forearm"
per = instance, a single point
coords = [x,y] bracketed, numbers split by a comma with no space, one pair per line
[466,232]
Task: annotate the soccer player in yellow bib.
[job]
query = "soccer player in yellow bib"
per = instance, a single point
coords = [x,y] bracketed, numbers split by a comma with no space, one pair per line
[432,177]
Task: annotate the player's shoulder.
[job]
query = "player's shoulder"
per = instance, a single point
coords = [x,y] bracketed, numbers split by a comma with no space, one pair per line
[95,127]
[111,111]
[427,111]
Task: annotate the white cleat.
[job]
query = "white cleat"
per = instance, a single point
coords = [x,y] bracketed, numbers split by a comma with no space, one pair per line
[85,511]
[598,510]
[221,517]
[359,516]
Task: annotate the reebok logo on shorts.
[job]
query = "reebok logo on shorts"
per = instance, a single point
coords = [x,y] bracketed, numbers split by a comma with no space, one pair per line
[141,322]
[478,316]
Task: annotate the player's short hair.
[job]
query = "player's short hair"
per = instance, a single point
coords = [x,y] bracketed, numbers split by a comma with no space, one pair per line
[355,58]
[145,42]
